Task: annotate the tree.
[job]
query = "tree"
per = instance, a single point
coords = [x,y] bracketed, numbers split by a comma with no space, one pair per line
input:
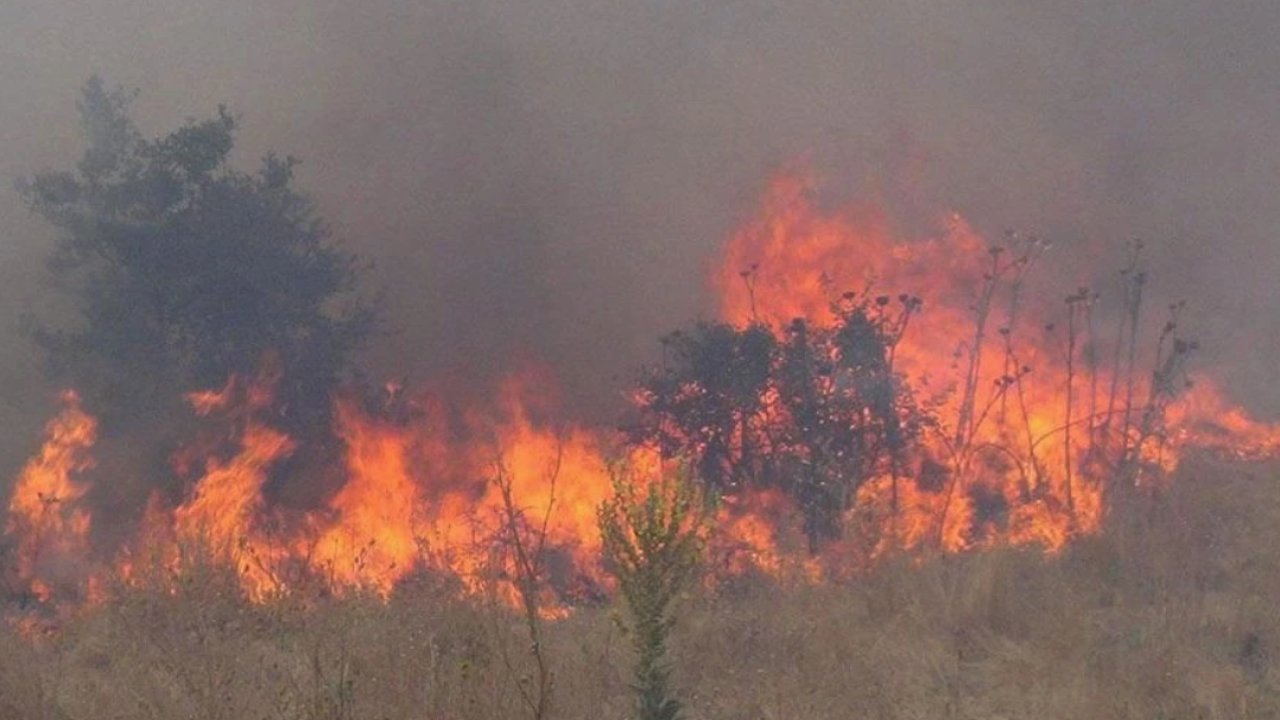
[708,402]
[808,409]
[184,270]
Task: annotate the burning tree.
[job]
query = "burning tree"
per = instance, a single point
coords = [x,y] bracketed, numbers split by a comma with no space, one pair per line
[813,411]
[184,270]
[1001,417]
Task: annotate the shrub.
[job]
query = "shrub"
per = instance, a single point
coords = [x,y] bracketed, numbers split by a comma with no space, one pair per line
[651,533]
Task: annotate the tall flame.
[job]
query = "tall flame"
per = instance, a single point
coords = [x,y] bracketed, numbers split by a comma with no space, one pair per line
[47,514]
[1034,422]
[1028,408]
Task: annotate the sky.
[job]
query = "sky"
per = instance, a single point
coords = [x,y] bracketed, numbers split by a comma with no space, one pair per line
[551,180]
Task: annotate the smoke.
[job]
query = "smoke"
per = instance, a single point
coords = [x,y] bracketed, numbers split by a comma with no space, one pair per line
[552,179]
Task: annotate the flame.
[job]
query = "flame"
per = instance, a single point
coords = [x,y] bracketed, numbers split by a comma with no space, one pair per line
[1205,419]
[1026,447]
[47,515]
[416,497]
[416,494]
[374,540]
[564,469]
[799,259]
[794,260]
[223,520]
[1029,457]
[221,516]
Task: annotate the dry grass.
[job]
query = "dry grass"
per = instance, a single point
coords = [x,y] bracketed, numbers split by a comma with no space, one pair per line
[1172,614]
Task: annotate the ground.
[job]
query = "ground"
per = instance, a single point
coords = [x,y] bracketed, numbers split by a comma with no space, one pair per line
[1171,613]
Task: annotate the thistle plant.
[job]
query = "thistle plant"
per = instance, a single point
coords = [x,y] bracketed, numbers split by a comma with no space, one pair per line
[651,533]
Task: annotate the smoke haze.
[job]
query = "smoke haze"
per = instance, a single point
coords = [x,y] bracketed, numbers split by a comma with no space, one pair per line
[551,180]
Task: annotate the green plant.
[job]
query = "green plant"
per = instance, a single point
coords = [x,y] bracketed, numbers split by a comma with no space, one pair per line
[651,531]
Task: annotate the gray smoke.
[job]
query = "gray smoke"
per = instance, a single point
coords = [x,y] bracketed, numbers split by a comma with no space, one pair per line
[552,179]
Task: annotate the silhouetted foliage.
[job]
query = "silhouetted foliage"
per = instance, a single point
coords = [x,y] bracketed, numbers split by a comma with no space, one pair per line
[814,411]
[184,270]
[709,401]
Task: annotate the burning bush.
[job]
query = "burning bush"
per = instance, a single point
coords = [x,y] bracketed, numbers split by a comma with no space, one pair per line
[814,412]
[975,414]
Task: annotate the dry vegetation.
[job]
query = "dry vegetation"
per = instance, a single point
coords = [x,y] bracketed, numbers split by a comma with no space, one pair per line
[1171,614]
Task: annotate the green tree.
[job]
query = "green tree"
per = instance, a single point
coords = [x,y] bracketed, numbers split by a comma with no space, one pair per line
[184,270]
[651,538]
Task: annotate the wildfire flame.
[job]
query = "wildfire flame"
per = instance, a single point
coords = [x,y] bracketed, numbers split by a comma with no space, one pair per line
[1034,422]
[47,517]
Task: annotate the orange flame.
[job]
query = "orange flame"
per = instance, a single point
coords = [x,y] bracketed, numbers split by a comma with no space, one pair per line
[374,539]
[1026,443]
[46,513]
[1027,457]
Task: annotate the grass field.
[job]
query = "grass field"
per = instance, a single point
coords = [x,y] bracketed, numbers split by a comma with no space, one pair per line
[1172,613]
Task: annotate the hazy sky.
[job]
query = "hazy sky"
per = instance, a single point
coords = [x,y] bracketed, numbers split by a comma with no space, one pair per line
[551,178]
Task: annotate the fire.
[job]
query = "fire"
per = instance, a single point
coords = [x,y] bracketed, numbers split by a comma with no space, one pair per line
[794,260]
[420,491]
[1036,413]
[1036,416]
[1205,419]
[224,519]
[373,540]
[221,516]
[416,495]
[563,469]
[47,516]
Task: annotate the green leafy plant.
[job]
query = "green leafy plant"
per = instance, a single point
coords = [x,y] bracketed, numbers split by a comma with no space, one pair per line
[652,532]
